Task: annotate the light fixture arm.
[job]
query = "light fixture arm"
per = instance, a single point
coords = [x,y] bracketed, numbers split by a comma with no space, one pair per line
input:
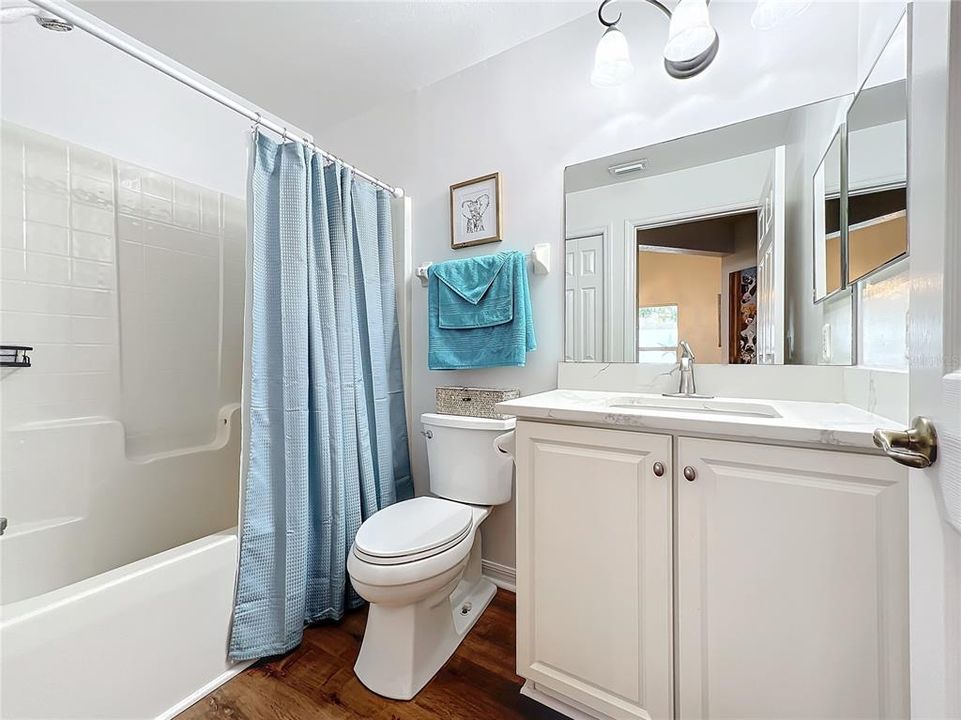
[656,3]
[611,23]
[608,23]
[660,6]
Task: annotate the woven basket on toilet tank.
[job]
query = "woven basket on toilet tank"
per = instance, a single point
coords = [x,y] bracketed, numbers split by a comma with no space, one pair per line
[475,402]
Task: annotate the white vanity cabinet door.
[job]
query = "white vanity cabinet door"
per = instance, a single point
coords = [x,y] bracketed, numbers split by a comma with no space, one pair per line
[594,600]
[791,583]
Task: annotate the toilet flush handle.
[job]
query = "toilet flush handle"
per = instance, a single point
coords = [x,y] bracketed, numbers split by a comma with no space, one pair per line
[505,443]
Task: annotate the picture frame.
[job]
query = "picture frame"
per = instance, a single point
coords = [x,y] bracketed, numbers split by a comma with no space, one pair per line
[475,211]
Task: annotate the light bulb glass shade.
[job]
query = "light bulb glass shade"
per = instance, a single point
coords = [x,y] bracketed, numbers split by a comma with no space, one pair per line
[692,41]
[612,59]
[769,14]
[691,33]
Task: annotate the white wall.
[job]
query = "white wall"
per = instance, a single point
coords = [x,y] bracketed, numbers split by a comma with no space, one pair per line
[702,190]
[531,111]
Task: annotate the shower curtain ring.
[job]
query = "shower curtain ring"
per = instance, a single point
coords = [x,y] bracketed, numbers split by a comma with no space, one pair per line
[283,135]
[256,125]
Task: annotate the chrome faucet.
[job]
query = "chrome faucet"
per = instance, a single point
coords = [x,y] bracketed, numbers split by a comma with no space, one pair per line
[685,363]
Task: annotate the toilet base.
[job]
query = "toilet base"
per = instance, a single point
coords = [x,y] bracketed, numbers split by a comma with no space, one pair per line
[404,646]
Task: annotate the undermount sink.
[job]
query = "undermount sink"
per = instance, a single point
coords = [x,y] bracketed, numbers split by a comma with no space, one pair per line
[705,406]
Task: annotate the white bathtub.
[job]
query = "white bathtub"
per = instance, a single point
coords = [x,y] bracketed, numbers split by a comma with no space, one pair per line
[116,574]
[146,640]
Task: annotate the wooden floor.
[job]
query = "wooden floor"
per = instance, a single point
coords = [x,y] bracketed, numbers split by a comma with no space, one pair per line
[316,680]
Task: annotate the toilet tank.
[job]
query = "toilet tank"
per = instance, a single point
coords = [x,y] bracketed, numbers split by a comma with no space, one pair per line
[465,464]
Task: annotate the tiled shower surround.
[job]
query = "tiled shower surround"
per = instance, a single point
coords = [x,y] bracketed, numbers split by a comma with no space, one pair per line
[128,284]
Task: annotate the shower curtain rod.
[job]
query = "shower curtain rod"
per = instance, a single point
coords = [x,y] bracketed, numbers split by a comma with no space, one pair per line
[84,24]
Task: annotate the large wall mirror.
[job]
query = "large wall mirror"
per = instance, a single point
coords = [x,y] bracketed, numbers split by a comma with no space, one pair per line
[692,240]
[718,238]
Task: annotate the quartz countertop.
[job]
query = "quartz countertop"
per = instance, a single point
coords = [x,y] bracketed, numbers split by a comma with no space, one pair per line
[832,425]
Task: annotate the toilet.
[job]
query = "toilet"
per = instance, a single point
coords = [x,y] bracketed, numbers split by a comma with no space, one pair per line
[418,562]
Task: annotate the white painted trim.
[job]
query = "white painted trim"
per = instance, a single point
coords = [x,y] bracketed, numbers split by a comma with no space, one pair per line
[503,576]
[200,694]
[564,707]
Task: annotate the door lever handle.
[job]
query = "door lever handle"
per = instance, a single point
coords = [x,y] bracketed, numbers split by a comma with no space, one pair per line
[916,447]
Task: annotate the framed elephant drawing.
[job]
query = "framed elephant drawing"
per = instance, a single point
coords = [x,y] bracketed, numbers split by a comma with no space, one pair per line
[475,211]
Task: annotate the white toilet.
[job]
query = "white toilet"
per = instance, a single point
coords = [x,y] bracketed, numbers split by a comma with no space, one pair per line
[418,563]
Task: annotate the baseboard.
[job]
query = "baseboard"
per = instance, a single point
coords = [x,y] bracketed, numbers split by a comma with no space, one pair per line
[228,674]
[571,709]
[502,576]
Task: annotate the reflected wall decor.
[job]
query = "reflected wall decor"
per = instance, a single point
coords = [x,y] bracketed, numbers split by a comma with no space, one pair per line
[743,325]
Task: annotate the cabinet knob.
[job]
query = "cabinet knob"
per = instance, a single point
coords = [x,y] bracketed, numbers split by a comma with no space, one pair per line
[659,469]
[690,474]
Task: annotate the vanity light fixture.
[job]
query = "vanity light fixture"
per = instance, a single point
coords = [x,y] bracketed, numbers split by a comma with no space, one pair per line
[692,44]
[769,14]
[612,58]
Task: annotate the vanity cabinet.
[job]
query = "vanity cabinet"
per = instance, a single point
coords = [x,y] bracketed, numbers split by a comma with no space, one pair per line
[791,583]
[594,600]
[746,581]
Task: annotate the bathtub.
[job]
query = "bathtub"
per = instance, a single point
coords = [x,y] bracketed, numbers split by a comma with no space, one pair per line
[116,574]
[146,640]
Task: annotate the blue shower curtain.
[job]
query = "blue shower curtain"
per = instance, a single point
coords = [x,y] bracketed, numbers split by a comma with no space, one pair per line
[325,426]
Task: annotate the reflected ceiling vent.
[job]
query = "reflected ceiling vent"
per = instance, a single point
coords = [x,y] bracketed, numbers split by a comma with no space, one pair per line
[634,166]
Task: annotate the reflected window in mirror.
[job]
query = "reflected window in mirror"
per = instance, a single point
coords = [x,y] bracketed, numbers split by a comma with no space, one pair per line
[657,333]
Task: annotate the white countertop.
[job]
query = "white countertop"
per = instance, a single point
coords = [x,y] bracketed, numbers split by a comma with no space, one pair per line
[835,425]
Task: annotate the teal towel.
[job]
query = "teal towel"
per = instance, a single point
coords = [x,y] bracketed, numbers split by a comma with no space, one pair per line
[475,292]
[485,304]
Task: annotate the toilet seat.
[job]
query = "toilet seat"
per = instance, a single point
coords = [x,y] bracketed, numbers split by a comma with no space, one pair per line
[413,530]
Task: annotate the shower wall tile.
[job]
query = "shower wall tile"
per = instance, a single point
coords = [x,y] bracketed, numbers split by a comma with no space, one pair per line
[92,219]
[44,238]
[93,274]
[91,191]
[159,209]
[43,268]
[130,202]
[46,207]
[90,164]
[128,283]
[11,232]
[92,247]
[11,193]
[157,185]
[130,228]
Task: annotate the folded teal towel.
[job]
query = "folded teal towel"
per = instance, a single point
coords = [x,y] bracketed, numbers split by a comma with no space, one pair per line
[464,284]
[479,313]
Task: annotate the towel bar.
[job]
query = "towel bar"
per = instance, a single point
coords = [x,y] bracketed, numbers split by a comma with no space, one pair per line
[540,257]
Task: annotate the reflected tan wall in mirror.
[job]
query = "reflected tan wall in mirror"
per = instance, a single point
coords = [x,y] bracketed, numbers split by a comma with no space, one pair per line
[876,244]
[694,284]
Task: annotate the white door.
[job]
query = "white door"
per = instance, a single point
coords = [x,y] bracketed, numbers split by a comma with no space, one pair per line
[594,567]
[770,264]
[584,299]
[791,577]
[934,230]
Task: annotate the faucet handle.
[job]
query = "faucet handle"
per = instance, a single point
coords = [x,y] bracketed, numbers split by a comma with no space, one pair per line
[685,350]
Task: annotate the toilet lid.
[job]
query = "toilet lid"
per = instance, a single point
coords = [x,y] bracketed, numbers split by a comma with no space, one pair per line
[419,527]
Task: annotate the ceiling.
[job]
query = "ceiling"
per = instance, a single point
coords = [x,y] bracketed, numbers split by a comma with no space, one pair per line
[317,63]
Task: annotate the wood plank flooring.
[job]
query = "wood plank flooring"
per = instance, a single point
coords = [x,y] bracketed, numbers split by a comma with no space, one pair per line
[316,680]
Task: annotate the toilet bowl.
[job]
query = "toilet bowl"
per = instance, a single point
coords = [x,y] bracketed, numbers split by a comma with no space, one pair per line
[418,562]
